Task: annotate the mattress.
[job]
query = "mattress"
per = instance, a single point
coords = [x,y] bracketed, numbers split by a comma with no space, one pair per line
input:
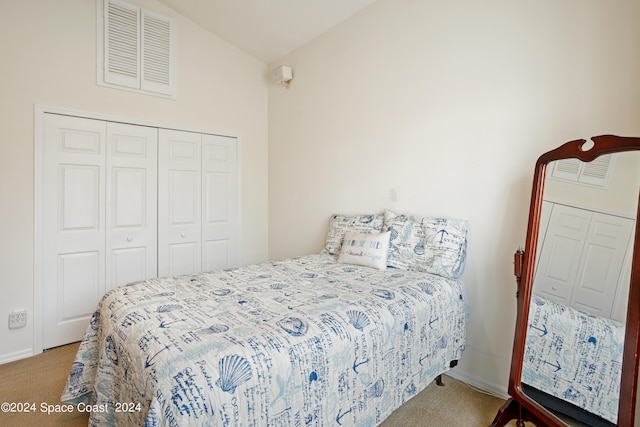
[574,356]
[304,341]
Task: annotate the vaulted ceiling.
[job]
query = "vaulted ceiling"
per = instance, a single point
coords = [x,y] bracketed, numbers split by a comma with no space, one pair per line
[267,29]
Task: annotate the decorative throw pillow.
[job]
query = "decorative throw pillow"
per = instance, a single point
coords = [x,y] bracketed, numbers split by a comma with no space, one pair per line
[365,249]
[341,224]
[433,245]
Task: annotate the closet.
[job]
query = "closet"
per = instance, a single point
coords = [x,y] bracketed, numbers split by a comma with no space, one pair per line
[125,202]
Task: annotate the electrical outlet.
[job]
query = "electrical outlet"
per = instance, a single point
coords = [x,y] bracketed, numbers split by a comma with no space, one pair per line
[17,319]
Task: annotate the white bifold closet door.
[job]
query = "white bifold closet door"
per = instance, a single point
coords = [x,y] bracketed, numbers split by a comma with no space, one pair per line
[99,228]
[581,258]
[197,202]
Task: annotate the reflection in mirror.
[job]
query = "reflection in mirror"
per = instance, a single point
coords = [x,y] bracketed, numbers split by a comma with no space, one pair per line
[575,335]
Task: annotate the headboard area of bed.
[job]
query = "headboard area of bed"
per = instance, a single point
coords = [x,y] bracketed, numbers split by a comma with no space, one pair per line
[436,245]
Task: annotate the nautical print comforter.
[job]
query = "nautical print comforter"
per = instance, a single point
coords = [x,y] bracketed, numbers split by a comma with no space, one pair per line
[574,356]
[301,342]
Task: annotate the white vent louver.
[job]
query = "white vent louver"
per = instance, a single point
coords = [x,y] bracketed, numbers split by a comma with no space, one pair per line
[121,45]
[595,173]
[156,52]
[139,48]
[597,170]
[567,169]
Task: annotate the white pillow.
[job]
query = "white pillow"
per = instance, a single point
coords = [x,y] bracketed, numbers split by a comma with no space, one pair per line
[369,250]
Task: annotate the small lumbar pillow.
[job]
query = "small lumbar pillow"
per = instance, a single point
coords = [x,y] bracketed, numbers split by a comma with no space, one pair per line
[341,224]
[369,250]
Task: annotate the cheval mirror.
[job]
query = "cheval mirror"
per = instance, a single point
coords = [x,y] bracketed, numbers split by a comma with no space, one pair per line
[576,343]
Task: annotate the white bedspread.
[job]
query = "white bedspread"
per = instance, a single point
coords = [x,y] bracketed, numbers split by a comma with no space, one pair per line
[301,342]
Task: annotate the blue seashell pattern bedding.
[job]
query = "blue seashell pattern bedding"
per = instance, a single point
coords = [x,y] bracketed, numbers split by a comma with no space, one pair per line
[574,356]
[305,341]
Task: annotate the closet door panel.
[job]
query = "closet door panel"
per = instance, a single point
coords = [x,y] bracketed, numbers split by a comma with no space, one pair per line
[561,252]
[73,225]
[220,202]
[183,258]
[601,263]
[179,203]
[79,191]
[79,284]
[131,203]
[131,265]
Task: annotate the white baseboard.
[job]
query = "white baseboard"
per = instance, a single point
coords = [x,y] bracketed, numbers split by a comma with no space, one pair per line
[16,355]
[493,389]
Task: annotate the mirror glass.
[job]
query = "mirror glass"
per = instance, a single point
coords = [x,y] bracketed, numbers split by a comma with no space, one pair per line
[575,332]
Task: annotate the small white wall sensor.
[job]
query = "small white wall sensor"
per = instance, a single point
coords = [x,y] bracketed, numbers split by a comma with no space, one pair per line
[282,75]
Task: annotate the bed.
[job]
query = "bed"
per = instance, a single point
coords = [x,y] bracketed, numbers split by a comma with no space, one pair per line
[573,361]
[319,340]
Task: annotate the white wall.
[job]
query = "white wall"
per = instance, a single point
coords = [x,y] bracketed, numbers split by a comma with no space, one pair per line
[448,105]
[48,51]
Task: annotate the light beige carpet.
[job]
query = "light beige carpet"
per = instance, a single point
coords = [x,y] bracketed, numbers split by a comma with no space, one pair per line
[40,379]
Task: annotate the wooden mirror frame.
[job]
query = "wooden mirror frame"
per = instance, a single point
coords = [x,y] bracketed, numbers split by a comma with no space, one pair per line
[520,406]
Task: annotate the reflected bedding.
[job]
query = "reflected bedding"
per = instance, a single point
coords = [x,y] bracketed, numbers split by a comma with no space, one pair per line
[574,356]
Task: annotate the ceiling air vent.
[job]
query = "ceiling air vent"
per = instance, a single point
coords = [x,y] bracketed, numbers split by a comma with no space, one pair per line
[594,173]
[136,49]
